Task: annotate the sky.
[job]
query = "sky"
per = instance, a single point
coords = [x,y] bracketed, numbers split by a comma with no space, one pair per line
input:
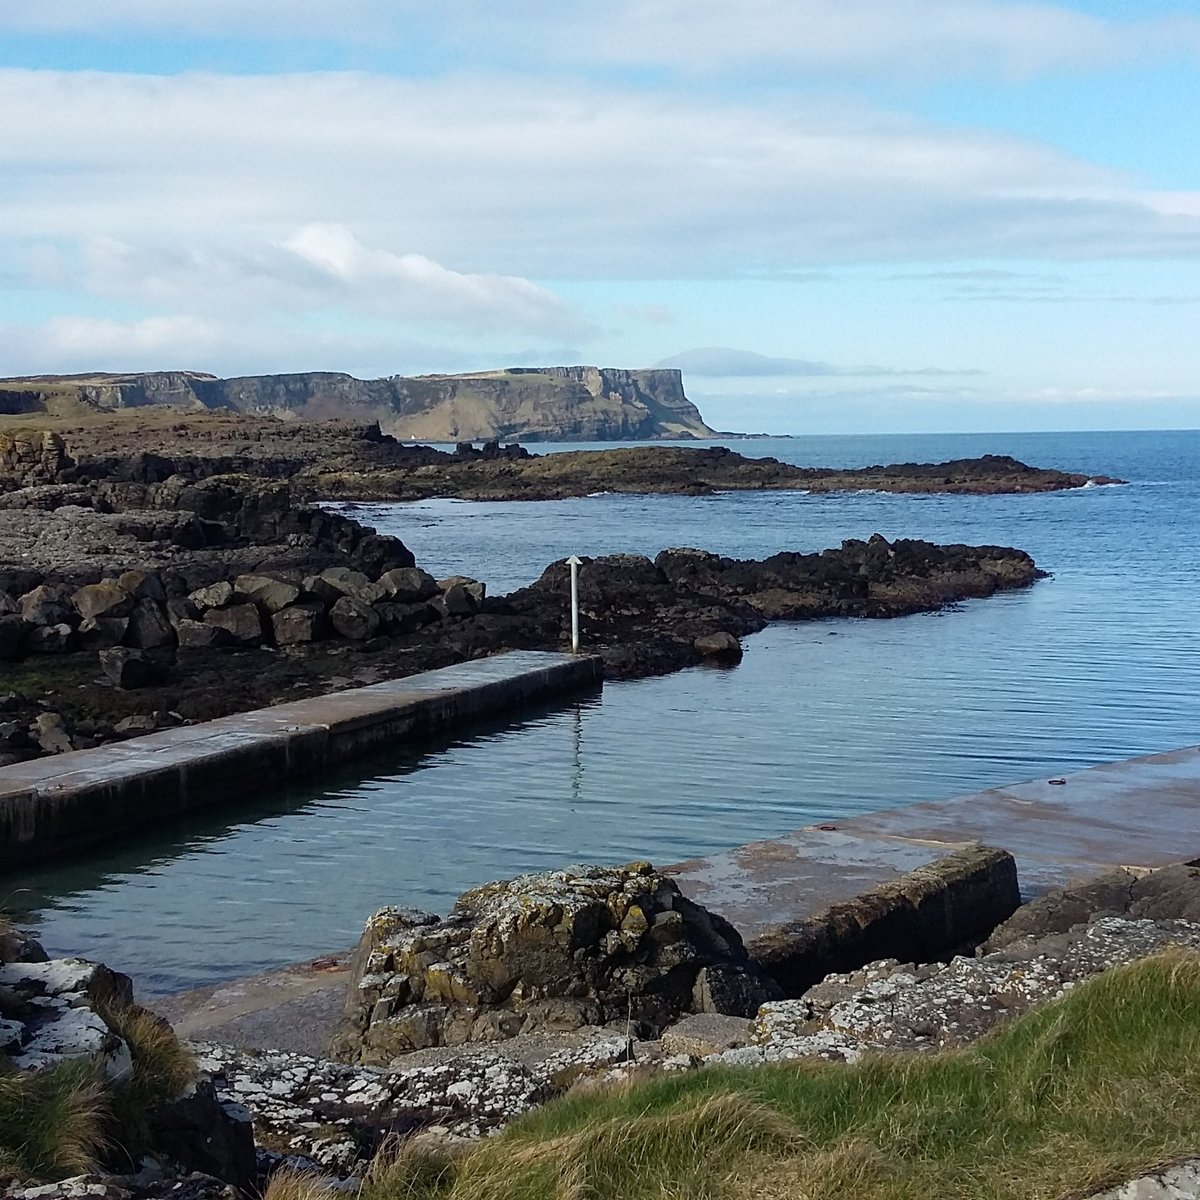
[834,216]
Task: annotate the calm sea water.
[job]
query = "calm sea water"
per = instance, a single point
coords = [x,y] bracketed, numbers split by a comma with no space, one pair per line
[821,720]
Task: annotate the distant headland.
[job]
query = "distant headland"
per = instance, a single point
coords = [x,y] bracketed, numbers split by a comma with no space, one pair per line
[530,404]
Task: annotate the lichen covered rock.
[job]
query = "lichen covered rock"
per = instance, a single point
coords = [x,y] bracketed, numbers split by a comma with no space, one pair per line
[553,951]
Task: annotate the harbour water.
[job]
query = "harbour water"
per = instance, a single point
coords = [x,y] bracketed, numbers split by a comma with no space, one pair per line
[821,720]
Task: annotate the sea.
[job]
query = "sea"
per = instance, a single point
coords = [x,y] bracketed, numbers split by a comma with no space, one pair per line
[821,720]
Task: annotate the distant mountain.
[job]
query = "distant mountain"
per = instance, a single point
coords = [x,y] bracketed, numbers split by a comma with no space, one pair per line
[531,404]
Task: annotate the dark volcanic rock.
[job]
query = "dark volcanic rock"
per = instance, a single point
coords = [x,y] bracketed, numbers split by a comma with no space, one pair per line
[149,628]
[13,631]
[128,668]
[298,623]
[354,619]
[242,622]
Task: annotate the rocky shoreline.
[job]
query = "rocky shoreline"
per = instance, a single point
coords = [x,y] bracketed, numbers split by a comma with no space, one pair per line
[564,983]
[138,592]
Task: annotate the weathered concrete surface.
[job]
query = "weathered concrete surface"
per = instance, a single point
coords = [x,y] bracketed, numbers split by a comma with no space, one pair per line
[1139,814]
[60,803]
[922,916]
[292,1009]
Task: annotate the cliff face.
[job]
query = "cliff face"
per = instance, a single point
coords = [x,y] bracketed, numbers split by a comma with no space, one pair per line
[529,403]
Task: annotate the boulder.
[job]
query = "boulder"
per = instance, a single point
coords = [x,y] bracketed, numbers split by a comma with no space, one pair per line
[266,591]
[8,605]
[104,599]
[721,647]
[98,633]
[215,595]
[334,582]
[298,623]
[50,733]
[408,585]
[200,635]
[13,736]
[127,668]
[149,628]
[406,618]
[707,1033]
[196,1129]
[554,951]
[48,604]
[1168,893]
[472,587]
[456,601]
[354,619]
[13,631]
[181,608]
[242,622]
[49,639]
[923,915]
[143,585]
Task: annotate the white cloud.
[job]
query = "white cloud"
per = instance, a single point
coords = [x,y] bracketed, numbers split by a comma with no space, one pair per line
[315,267]
[493,178]
[936,38]
[237,345]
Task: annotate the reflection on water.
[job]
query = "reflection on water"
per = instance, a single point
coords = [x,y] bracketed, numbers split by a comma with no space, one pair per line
[820,720]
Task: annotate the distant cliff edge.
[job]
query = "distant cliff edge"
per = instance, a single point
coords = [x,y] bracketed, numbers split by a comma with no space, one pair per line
[533,404]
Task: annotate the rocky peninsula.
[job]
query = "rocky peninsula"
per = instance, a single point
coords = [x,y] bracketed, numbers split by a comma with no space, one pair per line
[325,460]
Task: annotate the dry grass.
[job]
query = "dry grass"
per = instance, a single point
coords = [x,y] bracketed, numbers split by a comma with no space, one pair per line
[162,1067]
[1088,1091]
[52,1123]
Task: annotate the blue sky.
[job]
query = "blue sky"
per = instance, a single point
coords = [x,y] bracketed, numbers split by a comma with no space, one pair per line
[833,215]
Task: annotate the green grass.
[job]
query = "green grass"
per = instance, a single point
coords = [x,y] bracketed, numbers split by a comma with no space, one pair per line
[1088,1091]
[52,1123]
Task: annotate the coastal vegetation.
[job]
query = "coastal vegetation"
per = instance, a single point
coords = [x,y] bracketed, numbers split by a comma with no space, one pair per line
[70,1118]
[1084,1092]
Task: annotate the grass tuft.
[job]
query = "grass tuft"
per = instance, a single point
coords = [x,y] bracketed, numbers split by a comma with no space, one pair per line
[162,1068]
[52,1123]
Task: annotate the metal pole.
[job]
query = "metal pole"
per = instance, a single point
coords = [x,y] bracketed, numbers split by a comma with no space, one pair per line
[575,563]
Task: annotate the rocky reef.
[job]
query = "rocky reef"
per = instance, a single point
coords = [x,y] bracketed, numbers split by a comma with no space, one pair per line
[236,608]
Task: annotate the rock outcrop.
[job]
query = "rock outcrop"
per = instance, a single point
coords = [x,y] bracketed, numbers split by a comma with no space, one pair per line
[556,951]
[893,1006]
[55,1012]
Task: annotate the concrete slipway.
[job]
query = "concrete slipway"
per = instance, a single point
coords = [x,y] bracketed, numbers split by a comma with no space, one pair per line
[1141,813]
[57,804]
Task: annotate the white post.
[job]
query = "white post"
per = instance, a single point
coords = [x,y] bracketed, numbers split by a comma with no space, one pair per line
[575,562]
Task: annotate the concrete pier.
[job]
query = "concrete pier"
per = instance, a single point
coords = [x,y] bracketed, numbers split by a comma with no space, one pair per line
[57,804]
[1140,813]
